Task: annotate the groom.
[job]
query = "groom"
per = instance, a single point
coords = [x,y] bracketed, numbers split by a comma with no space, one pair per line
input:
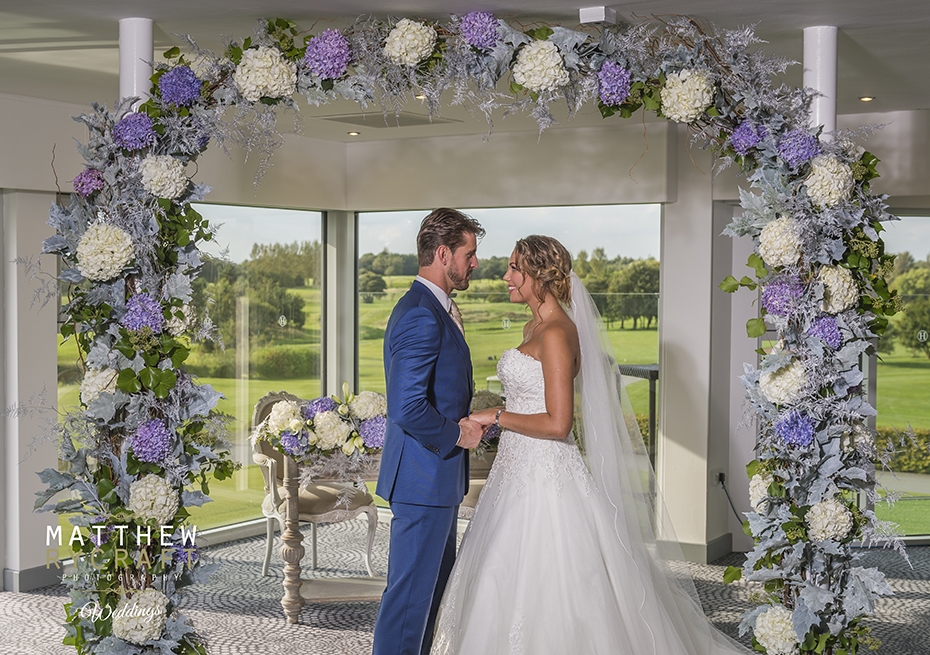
[424,464]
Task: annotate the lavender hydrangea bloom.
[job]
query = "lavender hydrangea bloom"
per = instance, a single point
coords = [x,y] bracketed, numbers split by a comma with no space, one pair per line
[317,406]
[292,443]
[797,147]
[144,311]
[328,55]
[180,86]
[827,329]
[134,131]
[88,181]
[613,83]
[185,552]
[747,136]
[795,429]
[152,441]
[372,431]
[479,29]
[780,297]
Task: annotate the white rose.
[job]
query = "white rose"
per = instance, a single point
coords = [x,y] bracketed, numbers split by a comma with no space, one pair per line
[785,385]
[97,381]
[368,404]
[410,42]
[759,492]
[539,67]
[828,519]
[283,415]
[331,431]
[163,176]
[839,289]
[263,72]
[830,181]
[780,243]
[686,95]
[774,630]
[153,499]
[103,251]
[141,618]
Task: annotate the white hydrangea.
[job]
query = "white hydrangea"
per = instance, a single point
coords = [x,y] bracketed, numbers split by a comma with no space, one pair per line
[103,251]
[774,631]
[410,42]
[830,181]
[857,435]
[177,326]
[785,385]
[263,72]
[153,499]
[331,430]
[839,289]
[141,618]
[368,404]
[828,519]
[539,67]
[97,381]
[686,95]
[285,416]
[163,176]
[780,243]
[759,491]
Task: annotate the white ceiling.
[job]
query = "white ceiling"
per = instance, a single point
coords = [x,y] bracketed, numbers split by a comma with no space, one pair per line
[67,50]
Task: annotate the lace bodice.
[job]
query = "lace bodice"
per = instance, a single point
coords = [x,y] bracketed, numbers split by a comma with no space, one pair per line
[522,457]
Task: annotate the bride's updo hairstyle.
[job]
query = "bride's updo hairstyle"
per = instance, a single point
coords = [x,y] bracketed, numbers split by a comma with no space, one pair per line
[548,262]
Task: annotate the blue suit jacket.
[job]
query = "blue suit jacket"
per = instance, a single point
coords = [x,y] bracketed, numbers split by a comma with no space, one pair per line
[427,368]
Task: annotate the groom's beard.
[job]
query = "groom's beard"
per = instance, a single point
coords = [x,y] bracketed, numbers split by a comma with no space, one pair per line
[459,279]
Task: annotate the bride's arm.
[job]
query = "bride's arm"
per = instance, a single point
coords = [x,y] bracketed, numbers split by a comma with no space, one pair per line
[558,364]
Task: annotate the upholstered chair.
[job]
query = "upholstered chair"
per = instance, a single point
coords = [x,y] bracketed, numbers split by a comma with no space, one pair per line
[324,502]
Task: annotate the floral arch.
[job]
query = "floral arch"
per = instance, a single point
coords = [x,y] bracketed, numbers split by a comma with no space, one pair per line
[147,437]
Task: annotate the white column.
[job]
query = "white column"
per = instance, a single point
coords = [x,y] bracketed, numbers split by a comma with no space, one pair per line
[341,300]
[820,75]
[136,52]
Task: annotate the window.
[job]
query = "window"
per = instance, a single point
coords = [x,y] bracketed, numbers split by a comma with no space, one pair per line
[615,249]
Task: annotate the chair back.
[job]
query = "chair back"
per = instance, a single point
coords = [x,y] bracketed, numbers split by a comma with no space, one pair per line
[260,413]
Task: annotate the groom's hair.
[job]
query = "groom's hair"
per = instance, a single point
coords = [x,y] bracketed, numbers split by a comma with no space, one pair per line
[444,227]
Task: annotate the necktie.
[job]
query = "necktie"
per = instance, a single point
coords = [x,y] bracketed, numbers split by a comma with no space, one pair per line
[457,317]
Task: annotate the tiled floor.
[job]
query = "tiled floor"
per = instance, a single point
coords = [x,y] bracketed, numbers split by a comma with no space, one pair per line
[239,611]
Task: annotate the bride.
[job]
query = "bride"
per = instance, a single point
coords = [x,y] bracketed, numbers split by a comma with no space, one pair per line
[562,554]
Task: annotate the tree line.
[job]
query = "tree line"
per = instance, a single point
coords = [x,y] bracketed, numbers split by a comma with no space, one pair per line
[911,279]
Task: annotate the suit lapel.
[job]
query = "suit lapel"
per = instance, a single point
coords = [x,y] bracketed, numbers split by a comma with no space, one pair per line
[450,325]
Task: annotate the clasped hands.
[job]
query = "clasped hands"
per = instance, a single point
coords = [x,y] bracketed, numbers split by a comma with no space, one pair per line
[475,425]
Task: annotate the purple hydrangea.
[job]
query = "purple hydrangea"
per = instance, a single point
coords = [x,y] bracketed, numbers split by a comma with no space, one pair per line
[747,136]
[294,443]
[152,441]
[180,86]
[372,431]
[479,29]
[613,83]
[88,181]
[797,147]
[104,535]
[328,55]
[143,311]
[318,406]
[780,296]
[795,429]
[134,131]
[827,329]
[185,552]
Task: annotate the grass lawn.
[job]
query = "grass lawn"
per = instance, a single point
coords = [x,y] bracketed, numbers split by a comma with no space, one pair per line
[911,514]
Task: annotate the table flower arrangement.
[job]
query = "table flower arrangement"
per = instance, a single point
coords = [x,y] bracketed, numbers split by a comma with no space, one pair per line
[330,437]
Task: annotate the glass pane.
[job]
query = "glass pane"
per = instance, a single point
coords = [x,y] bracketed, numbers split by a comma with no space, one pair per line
[903,377]
[262,286]
[615,249]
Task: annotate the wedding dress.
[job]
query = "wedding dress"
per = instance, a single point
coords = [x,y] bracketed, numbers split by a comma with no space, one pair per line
[561,555]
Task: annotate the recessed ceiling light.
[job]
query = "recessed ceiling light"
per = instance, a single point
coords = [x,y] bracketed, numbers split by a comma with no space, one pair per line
[867,98]
[353,133]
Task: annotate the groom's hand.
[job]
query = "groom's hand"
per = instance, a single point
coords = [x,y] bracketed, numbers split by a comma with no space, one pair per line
[471,433]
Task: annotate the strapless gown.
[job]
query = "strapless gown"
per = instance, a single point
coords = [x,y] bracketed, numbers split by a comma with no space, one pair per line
[541,570]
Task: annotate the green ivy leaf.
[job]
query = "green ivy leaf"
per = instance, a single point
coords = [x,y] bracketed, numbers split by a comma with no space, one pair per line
[730,284]
[128,382]
[732,574]
[755,327]
[755,262]
[171,53]
[748,282]
[150,377]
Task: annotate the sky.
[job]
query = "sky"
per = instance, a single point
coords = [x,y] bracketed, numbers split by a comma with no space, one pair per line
[624,230]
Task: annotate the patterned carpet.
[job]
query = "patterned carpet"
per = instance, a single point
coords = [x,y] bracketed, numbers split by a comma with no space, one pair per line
[240,614]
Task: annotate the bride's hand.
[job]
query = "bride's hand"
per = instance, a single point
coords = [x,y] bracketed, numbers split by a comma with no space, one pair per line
[485,417]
